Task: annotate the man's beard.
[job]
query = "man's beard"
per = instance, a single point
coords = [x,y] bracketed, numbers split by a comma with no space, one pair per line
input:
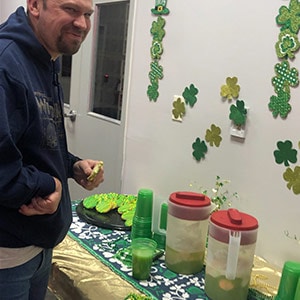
[68,48]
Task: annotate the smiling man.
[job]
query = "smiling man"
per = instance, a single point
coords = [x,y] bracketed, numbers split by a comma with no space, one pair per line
[35,164]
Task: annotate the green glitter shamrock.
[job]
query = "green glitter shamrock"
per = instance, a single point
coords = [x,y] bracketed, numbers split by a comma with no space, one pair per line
[189,95]
[179,108]
[213,135]
[286,153]
[156,50]
[238,113]
[231,89]
[285,77]
[157,29]
[200,149]
[152,91]
[287,44]
[280,104]
[289,17]
[293,179]
[156,72]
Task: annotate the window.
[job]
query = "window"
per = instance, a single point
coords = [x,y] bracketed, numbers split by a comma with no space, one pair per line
[110,52]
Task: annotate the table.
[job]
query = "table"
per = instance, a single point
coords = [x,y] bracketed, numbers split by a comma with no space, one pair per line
[86,265]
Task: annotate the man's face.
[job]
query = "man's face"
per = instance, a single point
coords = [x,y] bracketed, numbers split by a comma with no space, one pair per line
[62,25]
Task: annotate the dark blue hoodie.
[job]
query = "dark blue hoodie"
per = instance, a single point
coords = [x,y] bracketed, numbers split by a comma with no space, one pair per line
[33,145]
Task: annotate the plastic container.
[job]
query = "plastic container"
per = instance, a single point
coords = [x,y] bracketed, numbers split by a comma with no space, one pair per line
[159,224]
[186,233]
[289,287]
[230,253]
[143,250]
[142,220]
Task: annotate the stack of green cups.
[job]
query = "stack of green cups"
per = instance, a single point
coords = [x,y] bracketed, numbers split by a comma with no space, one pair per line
[142,220]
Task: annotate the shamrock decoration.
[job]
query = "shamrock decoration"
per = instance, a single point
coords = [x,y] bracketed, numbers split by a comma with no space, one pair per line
[288,44]
[179,108]
[200,149]
[289,17]
[238,113]
[213,135]
[156,72]
[285,77]
[189,95]
[152,91]
[156,50]
[280,104]
[286,153]
[293,179]
[157,29]
[231,89]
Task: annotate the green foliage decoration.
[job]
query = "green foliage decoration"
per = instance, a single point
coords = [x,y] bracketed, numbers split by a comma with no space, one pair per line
[279,105]
[190,95]
[179,108]
[213,135]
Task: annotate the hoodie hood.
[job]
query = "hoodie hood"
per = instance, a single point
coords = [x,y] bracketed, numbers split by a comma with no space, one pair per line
[18,29]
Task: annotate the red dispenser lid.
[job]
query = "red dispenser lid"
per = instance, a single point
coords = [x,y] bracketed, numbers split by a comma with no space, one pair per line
[233,219]
[190,199]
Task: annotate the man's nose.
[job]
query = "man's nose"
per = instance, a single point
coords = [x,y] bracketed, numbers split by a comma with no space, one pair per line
[81,22]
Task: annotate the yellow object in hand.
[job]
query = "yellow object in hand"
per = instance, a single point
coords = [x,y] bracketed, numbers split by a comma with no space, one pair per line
[95,171]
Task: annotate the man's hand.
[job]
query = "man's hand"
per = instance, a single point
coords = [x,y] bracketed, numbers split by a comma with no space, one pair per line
[82,169]
[43,206]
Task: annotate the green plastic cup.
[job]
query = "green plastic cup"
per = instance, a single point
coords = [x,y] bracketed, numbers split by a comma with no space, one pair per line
[143,250]
[289,282]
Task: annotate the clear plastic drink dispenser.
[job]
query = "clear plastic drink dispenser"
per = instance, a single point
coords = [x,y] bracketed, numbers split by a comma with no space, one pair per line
[186,233]
[230,254]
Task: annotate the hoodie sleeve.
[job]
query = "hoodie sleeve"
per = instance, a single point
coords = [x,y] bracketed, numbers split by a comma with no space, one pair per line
[19,181]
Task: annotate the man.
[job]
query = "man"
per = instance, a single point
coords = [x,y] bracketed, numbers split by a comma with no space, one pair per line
[35,206]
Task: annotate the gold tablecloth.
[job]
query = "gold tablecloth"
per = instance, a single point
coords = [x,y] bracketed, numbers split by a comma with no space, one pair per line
[78,275]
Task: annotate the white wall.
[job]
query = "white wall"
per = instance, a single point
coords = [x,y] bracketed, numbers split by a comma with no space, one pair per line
[7,7]
[206,42]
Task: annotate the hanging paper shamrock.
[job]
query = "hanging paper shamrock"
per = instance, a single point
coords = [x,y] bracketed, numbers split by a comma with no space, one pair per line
[289,17]
[152,91]
[287,44]
[280,104]
[238,113]
[293,179]
[160,8]
[200,149]
[189,95]
[157,29]
[231,89]
[179,108]
[213,135]
[285,153]
[285,77]
[156,50]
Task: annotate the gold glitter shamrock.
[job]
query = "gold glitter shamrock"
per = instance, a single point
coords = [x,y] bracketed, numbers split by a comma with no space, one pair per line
[231,89]
[280,104]
[213,135]
[293,179]
[285,77]
[179,108]
[289,17]
[287,44]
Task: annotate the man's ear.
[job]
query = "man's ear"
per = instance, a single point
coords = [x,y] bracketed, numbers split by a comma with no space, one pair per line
[34,7]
